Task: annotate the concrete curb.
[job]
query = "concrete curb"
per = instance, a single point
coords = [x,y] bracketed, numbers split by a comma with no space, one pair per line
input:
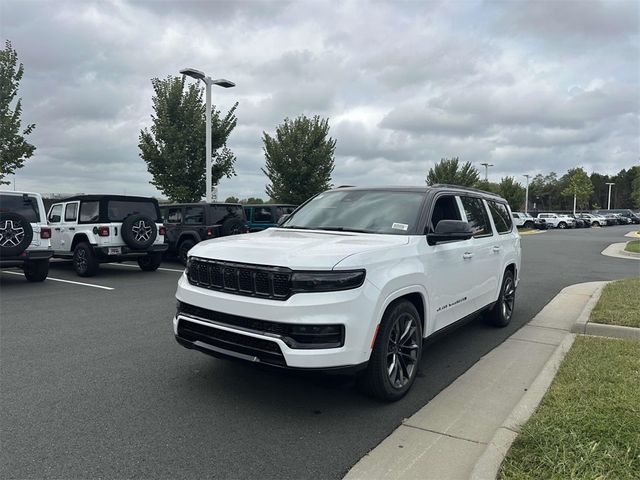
[580,326]
[617,250]
[632,235]
[488,464]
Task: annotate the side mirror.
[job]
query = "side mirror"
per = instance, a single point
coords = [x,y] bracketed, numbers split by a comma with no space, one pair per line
[283,218]
[450,230]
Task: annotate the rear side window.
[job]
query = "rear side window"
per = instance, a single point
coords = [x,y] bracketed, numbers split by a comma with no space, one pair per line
[118,210]
[477,216]
[501,217]
[89,212]
[262,215]
[193,216]
[220,213]
[17,204]
[174,215]
[71,212]
[247,213]
[55,215]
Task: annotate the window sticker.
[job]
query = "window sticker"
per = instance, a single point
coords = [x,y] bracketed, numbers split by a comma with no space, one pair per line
[400,226]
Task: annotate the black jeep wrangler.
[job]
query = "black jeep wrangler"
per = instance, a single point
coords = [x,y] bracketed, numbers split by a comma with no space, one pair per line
[190,223]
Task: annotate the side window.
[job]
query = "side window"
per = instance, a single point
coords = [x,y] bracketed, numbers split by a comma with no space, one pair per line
[89,212]
[262,215]
[247,213]
[71,212]
[446,208]
[55,214]
[477,216]
[193,216]
[501,217]
[174,215]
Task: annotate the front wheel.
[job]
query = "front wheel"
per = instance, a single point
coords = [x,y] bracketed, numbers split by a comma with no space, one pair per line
[36,270]
[562,225]
[528,224]
[500,314]
[150,262]
[396,353]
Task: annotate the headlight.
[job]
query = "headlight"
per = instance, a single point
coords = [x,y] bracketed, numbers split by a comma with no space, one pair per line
[326,281]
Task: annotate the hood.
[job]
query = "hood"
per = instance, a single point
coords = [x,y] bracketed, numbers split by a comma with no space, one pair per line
[296,249]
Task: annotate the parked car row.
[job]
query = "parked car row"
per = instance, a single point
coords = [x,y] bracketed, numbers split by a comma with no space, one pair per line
[546,220]
[94,229]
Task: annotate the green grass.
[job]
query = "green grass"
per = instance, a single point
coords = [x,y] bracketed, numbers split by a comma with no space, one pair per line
[588,424]
[619,304]
[633,246]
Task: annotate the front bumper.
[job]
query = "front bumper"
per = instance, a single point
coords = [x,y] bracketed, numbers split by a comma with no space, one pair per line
[27,255]
[353,309]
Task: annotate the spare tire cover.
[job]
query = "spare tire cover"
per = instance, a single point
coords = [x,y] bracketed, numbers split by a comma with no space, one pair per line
[139,231]
[15,234]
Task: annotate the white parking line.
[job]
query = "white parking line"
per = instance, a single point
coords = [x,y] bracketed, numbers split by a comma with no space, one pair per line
[66,281]
[135,266]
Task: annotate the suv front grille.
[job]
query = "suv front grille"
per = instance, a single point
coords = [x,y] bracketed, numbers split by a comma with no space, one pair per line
[241,279]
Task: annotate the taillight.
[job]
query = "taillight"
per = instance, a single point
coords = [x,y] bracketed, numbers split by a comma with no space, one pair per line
[210,232]
[245,229]
[45,233]
[162,230]
[103,231]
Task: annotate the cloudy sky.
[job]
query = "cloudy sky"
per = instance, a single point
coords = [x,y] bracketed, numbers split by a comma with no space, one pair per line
[528,86]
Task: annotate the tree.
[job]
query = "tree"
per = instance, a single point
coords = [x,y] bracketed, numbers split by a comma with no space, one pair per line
[488,186]
[512,192]
[232,200]
[14,149]
[174,148]
[299,159]
[578,185]
[635,188]
[448,171]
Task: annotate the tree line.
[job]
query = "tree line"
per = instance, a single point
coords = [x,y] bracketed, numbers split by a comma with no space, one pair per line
[299,155]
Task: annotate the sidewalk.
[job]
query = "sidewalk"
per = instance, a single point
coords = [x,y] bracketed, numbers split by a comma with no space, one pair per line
[478,415]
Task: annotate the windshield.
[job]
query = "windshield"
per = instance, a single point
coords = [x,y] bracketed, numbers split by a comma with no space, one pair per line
[368,211]
[17,204]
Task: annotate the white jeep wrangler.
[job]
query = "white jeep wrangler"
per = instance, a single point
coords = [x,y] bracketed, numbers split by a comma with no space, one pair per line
[354,279]
[94,229]
[24,234]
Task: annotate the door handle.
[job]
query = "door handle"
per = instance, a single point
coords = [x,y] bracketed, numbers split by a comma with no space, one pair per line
[467,255]
[72,228]
[497,248]
[57,229]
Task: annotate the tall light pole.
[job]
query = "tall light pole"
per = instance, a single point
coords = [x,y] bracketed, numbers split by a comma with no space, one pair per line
[609,200]
[526,194]
[221,82]
[486,170]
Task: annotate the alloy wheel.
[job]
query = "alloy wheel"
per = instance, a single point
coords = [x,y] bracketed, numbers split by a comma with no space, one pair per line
[402,350]
[508,298]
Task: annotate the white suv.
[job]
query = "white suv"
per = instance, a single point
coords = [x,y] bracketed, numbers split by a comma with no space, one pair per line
[558,221]
[24,234]
[353,280]
[93,229]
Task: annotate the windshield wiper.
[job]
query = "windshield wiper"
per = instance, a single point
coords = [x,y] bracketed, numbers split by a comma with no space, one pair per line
[344,229]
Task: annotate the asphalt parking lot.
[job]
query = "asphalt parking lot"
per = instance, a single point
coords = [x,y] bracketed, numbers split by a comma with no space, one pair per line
[93,383]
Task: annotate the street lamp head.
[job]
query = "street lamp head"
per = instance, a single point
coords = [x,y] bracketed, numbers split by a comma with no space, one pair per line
[223,82]
[192,72]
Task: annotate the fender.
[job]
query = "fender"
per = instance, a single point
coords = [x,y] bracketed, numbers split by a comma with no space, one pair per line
[382,305]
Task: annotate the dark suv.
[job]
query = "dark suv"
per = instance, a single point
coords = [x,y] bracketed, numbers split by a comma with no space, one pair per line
[261,216]
[190,223]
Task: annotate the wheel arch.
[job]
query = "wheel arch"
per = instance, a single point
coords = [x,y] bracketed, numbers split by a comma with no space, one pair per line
[188,235]
[414,294]
[78,238]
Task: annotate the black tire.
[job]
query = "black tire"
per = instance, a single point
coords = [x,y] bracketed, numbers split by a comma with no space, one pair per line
[392,356]
[183,248]
[15,234]
[85,262]
[139,231]
[528,224]
[595,224]
[562,225]
[232,226]
[150,262]
[501,313]
[36,270]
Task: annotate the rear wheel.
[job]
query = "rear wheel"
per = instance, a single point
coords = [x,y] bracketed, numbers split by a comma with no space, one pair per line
[562,225]
[36,270]
[150,262]
[528,224]
[501,313]
[183,249]
[85,262]
[396,353]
